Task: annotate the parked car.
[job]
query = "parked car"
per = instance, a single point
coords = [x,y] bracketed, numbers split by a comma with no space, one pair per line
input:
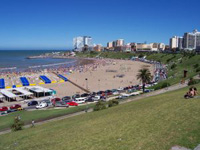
[85,95]
[100,92]
[120,89]
[76,96]
[90,99]
[55,100]
[80,100]
[115,93]
[108,92]
[32,103]
[16,106]
[48,102]
[66,98]
[41,105]
[61,104]
[93,94]
[96,98]
[72,103]
[4,108]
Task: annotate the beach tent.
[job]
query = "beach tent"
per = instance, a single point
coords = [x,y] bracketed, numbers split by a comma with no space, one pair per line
[2,84]
[62,77]
[45,79]
[24,81]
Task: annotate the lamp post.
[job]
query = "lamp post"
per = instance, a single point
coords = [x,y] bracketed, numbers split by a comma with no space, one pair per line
[86,109]
[86,80]
[99,84]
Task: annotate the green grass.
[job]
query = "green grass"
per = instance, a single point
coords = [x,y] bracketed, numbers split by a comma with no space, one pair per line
[153,123]
[38,115]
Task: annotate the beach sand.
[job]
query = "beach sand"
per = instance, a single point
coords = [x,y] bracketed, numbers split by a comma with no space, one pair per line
[102,78]
[105,74]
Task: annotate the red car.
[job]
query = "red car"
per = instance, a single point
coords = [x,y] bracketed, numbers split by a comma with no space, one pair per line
[16,106]
[3,108]
[55,100]
[72,104]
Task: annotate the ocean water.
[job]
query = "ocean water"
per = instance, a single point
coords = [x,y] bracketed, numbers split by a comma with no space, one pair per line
[17,60]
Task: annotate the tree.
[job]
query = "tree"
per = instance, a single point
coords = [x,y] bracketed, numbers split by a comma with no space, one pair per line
[17,125]
[144,75]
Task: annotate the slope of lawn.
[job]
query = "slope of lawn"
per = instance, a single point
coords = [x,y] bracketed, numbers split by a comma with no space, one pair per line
[38,115]
[154,123]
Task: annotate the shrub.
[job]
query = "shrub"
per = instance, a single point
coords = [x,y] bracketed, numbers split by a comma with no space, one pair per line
[173,66]
[193,81]
[141,56]
[196,66]
[100,105]
[198,69]
[165,84]
[112,103]
[17,125]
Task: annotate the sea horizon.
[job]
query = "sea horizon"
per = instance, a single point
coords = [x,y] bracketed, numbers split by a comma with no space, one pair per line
[16,60]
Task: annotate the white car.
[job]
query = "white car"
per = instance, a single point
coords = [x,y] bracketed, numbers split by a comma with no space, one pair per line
[115,93]
[96,98]
[41,105]
[80,100]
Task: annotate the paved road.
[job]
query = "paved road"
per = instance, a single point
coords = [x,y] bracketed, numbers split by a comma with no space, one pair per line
[171,88]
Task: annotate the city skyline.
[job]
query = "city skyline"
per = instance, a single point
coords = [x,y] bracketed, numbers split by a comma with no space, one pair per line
[53,24]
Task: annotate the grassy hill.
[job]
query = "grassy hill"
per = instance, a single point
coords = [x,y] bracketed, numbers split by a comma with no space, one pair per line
[154,123]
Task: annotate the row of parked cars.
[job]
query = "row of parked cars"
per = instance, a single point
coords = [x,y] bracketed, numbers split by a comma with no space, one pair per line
[77,99]
[13,108]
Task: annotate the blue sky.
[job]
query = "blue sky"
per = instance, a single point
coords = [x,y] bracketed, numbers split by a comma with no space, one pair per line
[52,24]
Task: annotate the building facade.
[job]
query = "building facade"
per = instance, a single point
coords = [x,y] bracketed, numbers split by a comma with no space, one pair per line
[173,43]
[81,41]
[192,40]
[98,48]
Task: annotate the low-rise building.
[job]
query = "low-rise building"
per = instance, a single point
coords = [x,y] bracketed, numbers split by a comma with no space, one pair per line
[98,48]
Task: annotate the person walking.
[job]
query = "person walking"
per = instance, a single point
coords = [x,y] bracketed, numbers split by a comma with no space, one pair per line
[33,123]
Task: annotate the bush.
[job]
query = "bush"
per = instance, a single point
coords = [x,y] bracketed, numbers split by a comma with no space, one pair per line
[162,85]
[17,125]
[198,69]
[113,103]
[193,81]
[100,105]
[165,84]
[196,66]
[173,66]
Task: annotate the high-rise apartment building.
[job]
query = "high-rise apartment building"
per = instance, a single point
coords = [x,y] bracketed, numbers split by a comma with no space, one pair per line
[120,42]
[110,45]
[173,43]
[81,41]
[192,40]
[180,43]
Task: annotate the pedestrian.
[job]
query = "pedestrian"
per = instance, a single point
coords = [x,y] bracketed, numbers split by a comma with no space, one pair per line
[18,117]
[33,123]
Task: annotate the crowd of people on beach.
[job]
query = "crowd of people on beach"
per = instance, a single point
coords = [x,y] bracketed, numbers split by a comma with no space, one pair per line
[80,66]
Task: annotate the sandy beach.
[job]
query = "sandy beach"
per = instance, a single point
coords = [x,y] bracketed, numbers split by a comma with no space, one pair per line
[111,74]
[91,74]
